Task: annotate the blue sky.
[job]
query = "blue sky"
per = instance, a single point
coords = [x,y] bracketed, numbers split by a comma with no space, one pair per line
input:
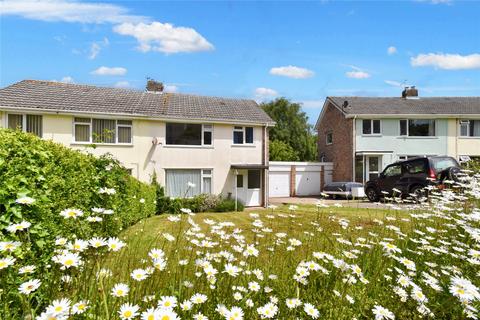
[304,51]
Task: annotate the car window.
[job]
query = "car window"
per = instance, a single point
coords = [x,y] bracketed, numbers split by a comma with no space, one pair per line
[393,171]
[416,167]
[440,164]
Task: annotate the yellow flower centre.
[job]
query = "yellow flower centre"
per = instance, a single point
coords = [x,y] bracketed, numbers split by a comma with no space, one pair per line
[81,307]
[119,292]
[165,317]
[3,264]
[68,262]
[76,246]
[460,291]
[58,308]
[167,304]
[9,246]
[127,313]
[151,317]
[71,214]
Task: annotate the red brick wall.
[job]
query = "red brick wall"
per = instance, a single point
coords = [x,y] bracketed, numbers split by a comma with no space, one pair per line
[340,152]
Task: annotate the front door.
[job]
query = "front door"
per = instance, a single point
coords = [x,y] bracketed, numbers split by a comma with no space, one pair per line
[372,167]
[248,187]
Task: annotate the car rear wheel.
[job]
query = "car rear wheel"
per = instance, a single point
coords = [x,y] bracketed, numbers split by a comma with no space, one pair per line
[372,195]
[418,193]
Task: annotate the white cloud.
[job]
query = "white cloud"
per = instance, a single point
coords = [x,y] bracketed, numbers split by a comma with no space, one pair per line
[164,37]
[391,50]
[68,11]
[447,61]
[67,79]
[437,1]
[265,93]
[107,71]
[122,84]
[312,104]
[357,73]
[394,83]
[292,72]
[96,47]
[170,88]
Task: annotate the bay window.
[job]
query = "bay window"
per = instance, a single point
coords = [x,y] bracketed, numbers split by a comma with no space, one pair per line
[31,123]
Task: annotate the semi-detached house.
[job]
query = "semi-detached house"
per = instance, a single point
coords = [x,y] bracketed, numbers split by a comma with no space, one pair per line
[218,144]
[362,135]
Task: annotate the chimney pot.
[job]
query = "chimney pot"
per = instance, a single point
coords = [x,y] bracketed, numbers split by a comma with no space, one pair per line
[154,86]
[410,93]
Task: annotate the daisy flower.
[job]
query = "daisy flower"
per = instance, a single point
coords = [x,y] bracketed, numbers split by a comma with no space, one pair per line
[29,286]
[167,314]
[293,303]
[27,269]
[382,313]
[120,290]
[6,262]
[68,260]
[198,298]
[167,302]
[80,307]
[311,310]
[115,244]
[235,313]
[71,213]
[9,246]
[139,274]
[25,200]
[97,242]
[59,307]
[128,311]
[13,228]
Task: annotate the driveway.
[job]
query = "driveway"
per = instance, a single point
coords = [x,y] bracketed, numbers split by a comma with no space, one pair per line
[313,200]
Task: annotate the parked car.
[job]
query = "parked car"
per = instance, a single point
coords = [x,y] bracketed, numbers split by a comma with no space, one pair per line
[343,189]
[410,177]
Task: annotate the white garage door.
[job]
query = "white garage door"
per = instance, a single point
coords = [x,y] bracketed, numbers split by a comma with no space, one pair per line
[307,183]
[279,184]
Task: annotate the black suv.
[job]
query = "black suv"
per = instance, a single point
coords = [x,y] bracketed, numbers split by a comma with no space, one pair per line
[410,177]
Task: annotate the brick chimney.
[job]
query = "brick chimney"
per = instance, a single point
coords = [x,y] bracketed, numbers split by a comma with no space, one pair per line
[154,86]
[410,93]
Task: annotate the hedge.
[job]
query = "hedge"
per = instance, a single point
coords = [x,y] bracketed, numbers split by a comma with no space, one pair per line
[60,178]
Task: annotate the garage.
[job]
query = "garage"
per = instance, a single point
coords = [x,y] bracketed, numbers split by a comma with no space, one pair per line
[290,179]
[279,184]
[307,183]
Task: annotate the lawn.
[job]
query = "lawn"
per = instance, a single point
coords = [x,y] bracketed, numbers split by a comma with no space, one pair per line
[307,262]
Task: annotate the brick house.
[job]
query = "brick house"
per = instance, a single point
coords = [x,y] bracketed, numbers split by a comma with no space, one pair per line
[362,135]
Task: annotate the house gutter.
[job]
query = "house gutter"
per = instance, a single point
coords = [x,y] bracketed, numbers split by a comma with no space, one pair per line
[354,145]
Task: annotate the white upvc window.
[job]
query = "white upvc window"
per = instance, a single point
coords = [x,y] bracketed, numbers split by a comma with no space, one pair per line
[417,127]
[32,123]
[242,135]
[371,127]
[188,134]
[469,128]
[102,131]
[188,183]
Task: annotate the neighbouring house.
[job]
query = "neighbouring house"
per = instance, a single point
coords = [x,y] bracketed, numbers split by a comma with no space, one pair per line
[218,144]
[361,135]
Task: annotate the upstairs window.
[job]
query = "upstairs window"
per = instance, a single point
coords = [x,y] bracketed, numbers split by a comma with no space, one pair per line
[31,123]
[242,135]
[371,127]
[470,128]
[100,131]
[417,128]
[189,134]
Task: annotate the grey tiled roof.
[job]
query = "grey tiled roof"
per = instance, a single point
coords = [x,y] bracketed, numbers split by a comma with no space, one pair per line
[64,97]
[402,106]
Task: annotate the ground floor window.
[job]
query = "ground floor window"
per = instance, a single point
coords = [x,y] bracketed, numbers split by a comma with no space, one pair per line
[187,183]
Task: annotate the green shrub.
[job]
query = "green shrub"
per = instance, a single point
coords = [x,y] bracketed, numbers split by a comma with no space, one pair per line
[59,178]
[226,205]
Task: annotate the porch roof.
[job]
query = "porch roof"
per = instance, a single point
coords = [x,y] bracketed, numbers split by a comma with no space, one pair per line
[367,153]
[248,166]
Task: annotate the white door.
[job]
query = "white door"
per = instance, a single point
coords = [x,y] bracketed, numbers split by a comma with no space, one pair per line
[307,183]
[241,186]
[373,167]
[254,182]
[279,184]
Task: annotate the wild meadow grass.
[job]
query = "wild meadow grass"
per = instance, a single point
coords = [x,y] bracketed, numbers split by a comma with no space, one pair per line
[405,261]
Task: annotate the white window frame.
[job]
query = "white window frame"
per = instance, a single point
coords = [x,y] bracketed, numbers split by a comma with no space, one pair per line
[243,130]
[467,123]
[207,128]
[24,120]
[326,138]
[206,175]
[408,128]
[90,141]
[371,128]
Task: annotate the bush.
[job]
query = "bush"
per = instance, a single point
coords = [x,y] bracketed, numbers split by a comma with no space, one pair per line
[226,205]
[59,178]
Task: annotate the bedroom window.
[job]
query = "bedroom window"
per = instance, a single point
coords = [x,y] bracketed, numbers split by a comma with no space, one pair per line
[242,135]
[371,127]
[417,127]
[31,123]
[470,128]
[102,131]
[189,134]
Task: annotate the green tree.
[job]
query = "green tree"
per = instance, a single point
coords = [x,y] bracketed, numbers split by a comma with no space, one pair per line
[281,151]
[292,128]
